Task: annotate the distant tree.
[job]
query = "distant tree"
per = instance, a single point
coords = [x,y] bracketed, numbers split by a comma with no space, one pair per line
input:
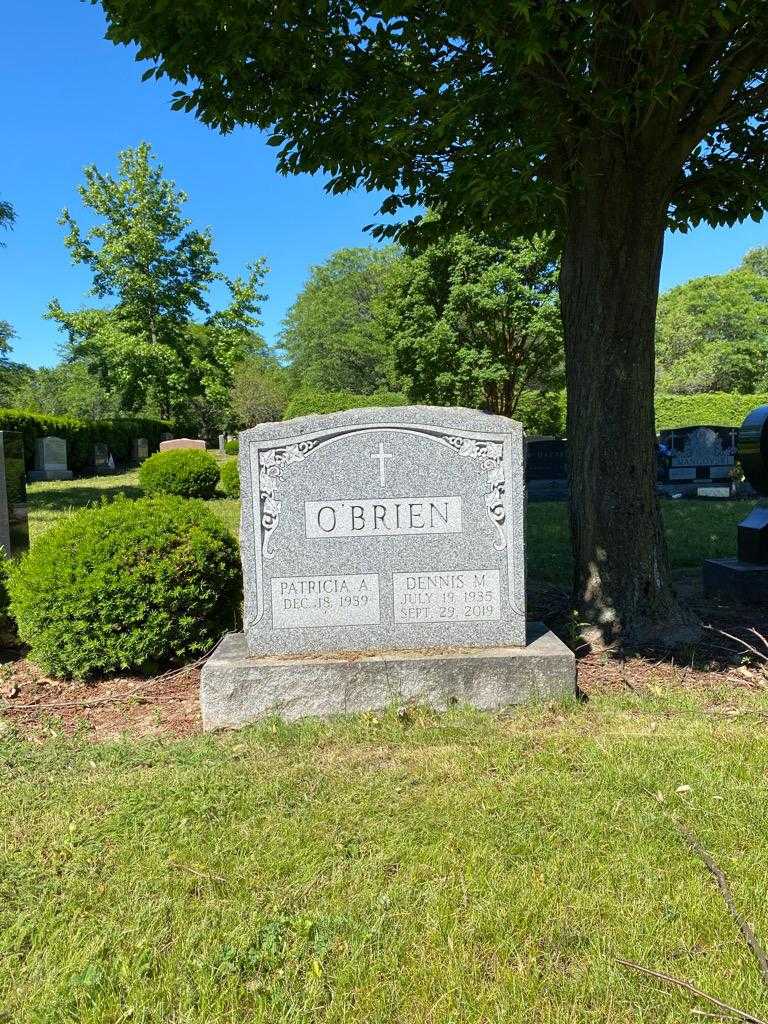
[331,334]
[68,389]
[607,121]
[472,323]
[756,260]
[712,333]
[259,393]
[147,348]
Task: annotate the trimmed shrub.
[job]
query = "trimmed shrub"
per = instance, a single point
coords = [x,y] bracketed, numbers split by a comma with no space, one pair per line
[714,408]
[82,435]
[186,472]
[232,447]
[308,401]
[127,586]
[229,478]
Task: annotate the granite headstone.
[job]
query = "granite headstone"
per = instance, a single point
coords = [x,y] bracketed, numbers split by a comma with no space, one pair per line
[745,578]
[14,529]
[700,453]
[139,449]
[50,459]
[546,458]
[382,530]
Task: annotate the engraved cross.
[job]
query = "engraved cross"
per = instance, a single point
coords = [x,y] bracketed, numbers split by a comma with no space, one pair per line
[382,456]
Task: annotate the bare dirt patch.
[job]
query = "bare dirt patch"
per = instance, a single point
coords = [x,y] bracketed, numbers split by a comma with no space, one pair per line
[35,705]
[168,705]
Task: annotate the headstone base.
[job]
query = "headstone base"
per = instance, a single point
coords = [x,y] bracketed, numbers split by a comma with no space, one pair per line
[236,689]
[49,474]
[744,582]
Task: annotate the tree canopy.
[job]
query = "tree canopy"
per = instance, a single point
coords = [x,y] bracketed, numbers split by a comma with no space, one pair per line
[474,324]
[332,334]
[712,333]
[147,348]
[64,390]
[409,97]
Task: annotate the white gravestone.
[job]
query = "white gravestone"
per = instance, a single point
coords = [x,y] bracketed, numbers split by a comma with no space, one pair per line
[395,531]
[50,459]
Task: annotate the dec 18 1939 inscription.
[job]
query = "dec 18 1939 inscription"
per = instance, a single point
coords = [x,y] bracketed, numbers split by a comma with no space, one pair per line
[383,529]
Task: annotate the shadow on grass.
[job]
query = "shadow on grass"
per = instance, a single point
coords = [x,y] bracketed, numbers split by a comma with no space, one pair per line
[61,499]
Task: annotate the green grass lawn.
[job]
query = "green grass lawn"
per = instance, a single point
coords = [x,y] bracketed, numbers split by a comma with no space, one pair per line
[52,499]
[456,868]
[696,530]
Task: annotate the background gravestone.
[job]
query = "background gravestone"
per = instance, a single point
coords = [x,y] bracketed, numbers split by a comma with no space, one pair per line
[181,442]
[50,460]
[139,449]
[700,453]
[102,460]
[546,467]
[382,530]
[14,528]
[745,578]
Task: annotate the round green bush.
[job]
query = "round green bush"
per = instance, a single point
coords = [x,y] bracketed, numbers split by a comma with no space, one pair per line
[230,479]
[232,447]
[127,586]
[186,472]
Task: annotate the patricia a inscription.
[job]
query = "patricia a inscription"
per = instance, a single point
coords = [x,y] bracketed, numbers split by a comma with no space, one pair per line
[325,600]
[383,529]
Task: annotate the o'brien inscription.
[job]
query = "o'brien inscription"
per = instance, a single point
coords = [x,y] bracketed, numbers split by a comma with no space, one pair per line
[325,600]
[447,596]
[382,517]
[383,529]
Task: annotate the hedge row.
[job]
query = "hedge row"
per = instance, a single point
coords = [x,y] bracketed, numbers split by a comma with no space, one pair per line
[545,414]
[308,401]
[82,435]
[719,409]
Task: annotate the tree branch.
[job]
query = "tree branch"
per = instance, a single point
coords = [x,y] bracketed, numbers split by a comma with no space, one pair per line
[743,1015]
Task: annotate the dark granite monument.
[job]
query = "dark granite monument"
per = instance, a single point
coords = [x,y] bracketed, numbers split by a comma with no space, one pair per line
[745,578]
[701,453]
[546,458]
[14,531]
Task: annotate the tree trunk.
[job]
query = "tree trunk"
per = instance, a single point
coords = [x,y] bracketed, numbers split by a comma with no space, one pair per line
[609,289]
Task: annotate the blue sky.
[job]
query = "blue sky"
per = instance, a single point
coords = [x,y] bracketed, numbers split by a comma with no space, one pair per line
[71,99]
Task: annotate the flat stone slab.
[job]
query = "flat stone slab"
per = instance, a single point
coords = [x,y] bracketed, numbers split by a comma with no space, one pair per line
[736,581]
[236,688]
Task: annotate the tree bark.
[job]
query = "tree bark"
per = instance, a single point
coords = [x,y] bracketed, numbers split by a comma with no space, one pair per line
[609,290]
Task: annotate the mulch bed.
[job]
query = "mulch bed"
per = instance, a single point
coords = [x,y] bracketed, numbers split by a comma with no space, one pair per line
[168,705]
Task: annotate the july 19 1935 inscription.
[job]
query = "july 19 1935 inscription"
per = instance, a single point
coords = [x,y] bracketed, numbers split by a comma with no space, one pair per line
[383,529]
